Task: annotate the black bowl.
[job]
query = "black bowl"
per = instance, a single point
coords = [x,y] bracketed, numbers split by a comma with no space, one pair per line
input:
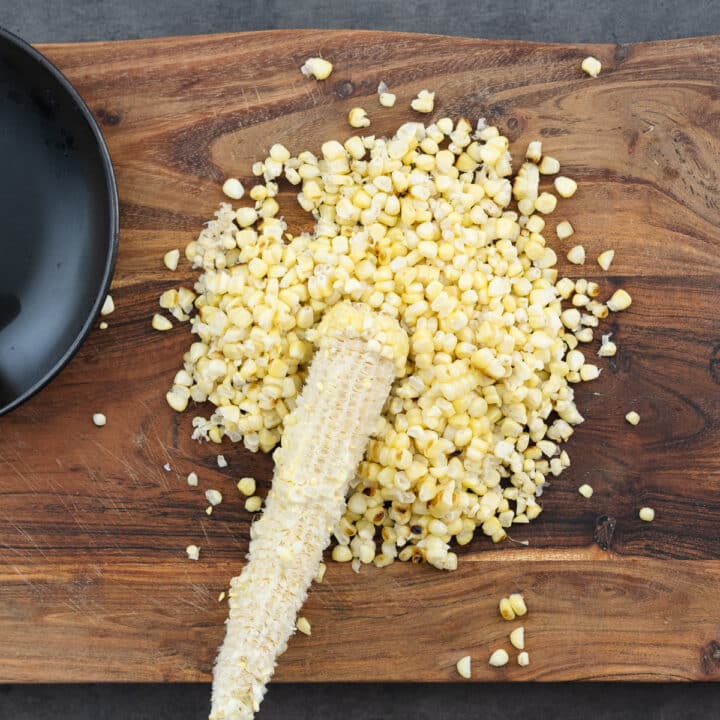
[58,221]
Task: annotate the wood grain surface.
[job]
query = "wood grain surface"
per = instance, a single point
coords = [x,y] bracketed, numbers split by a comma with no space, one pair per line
[94,582]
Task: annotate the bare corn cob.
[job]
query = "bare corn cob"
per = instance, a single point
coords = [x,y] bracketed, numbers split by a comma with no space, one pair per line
[324,439]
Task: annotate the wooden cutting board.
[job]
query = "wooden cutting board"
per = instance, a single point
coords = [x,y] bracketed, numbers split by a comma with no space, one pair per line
[94,582]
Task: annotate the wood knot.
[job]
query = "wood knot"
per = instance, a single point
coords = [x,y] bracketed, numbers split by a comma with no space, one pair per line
[710,657]
[604,531]
[622,50]
[109,118]
[344,89]
[714,365]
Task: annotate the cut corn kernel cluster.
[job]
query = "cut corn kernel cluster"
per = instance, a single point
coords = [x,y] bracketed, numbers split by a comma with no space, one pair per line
[419,227]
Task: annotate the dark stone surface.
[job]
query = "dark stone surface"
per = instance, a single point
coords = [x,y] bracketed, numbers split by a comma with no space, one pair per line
[543,20]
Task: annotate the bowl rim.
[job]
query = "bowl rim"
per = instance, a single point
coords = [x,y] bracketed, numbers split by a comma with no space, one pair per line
[114,217]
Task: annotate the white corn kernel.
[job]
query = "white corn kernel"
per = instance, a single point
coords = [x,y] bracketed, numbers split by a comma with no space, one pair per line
[517,601]
[647,514]
[387,99]
[564,230]
[108,306]
[620,300]
[545,203]
[193,552]
[99,419]
[605,259]
[576,255]
[586,490]
[233,188]
[214,497]
[565,186]
[607,349]
[161,323]
[357,117]
[591,66]
[523,659]
[171,259]
[192,479]
[499,658]
[464,668]
[549,165]
[633,417]
[317,67]
[424,102]
[517,638]
[303,625]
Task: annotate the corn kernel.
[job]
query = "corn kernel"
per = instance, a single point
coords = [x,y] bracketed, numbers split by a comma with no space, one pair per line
[523,659]
[424,102]
[499,658]
[620,300]
[463,666]
[517,638]
[633,417]
[171,259]
[253,503]
[247,486]
[357,117]
[99,419]
[605,259]
[647,514]
[108,306]
[591,66]
[586,490]
[564,230]
[565,186]
[303,625]
[317,67]
[161,323]
[233,188]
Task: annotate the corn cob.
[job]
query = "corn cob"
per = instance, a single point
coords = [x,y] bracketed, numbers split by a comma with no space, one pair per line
[359,355]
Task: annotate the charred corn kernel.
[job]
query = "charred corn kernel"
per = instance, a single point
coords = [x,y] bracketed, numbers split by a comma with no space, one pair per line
[253,503]
[233,188]
[108,306]
[192,479]
[517,638]
[317,67]
[620,300]
[576,255]
[171,259]
[523,659]
[565,186]
[303,625]
[534,151]
[193,552]
[499,658]
[99,419]
[464,667]
[549,165]
[564,230]
[605,259]
[247,486]
[586,490]
[506,609]
[357,117]
[214,497]
[424,102]
[633,417]
[387,99]
[647,514]
[517,601]
[161,323]
[342,553]
[591,66]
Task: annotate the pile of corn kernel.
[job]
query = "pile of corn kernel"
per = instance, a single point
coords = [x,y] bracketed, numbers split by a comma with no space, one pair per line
[422,227]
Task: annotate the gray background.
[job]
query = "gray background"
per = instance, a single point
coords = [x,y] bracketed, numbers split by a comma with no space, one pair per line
[548,20]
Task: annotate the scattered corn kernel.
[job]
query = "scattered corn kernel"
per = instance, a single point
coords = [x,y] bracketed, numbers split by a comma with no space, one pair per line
[545,203]
[647,514]
[233,188]
[221,596]
[193,552]
[247,486]
[576,255]
[303,625]
[633,417]
[549,165]
[342,553]
[322,569]
[214,497]
[171,259]
[108,306]
[534,151]
[161,323]
[192,479]
[424,102]
[620,300]
[506,609]
[103,325]
[99,419]
[253,504]
[499,658]
[221,461]
[387,99]
[565,186]
[517,638]
[564,230]
[591,66]
[357,117]
[517,601]
[523,659]
[317,67]
[464,667]
[586,490]
[605,259]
